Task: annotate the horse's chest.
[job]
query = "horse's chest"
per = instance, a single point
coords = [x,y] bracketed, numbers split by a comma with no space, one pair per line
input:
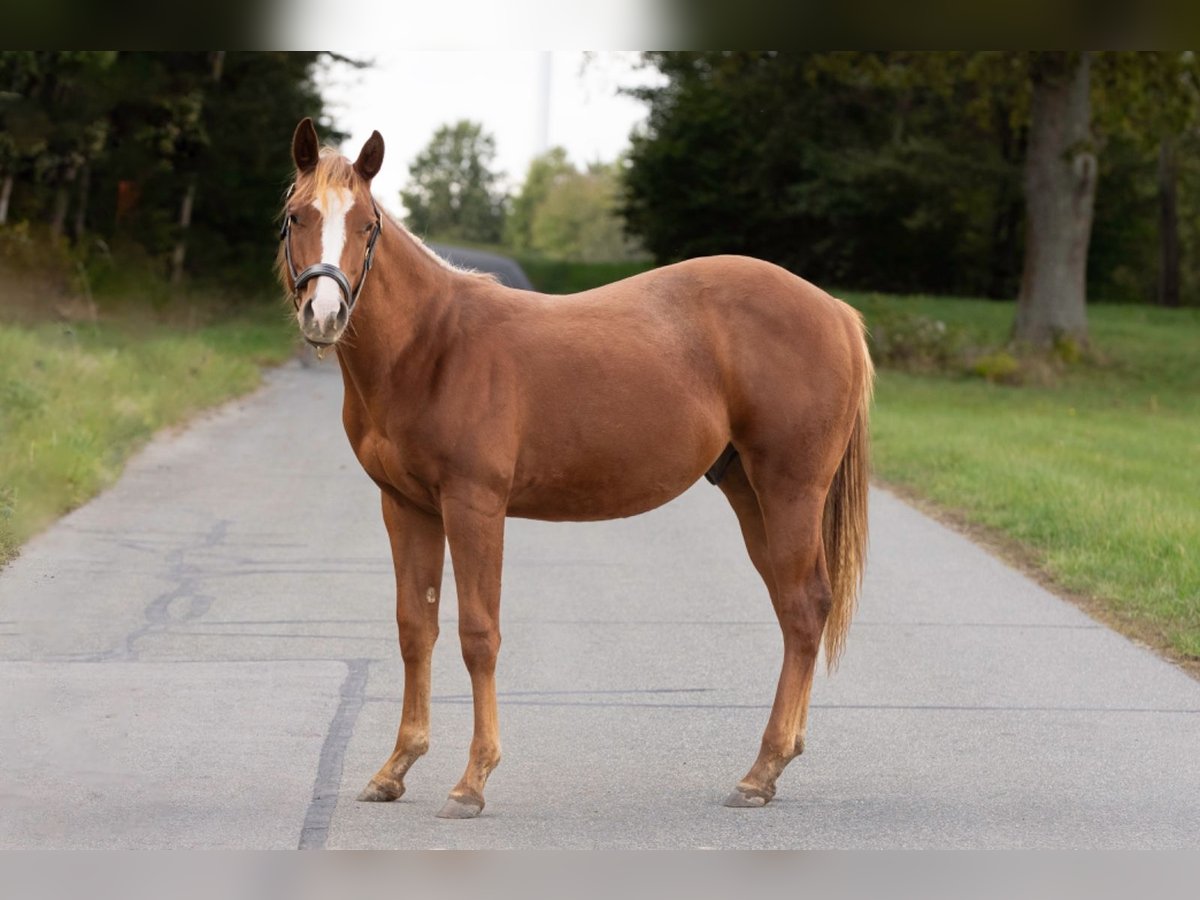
[383,461]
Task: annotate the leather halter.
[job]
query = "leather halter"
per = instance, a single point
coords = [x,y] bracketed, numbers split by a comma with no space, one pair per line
[316,270]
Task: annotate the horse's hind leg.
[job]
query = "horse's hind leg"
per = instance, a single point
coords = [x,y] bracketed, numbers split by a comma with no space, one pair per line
[744,501]
[418,552]
[783,537]
[745,504]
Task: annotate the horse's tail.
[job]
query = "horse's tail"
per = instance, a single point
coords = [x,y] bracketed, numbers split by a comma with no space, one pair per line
[844,524]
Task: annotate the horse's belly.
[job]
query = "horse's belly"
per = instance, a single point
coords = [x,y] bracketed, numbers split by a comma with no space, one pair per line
[610,482]
[584,502]
[616,436]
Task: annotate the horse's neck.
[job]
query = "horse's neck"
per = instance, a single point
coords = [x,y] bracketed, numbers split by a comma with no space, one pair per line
[405,294]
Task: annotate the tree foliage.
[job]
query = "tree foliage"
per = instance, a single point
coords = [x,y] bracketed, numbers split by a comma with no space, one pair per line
[544,174]
[566,214]
[579,218]
[453,191]
[900,171]
[854,170]
[118,136]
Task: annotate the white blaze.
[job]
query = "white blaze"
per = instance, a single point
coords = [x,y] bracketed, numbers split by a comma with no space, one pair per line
[327,298]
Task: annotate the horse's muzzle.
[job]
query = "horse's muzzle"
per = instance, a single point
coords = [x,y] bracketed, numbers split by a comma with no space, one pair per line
[323,316]
[323,326]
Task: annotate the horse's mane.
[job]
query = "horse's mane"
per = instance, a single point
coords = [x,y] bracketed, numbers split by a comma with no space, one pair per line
[335,171]
[441,261]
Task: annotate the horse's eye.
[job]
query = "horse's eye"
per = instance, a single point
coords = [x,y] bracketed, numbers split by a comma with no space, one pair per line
[294,219]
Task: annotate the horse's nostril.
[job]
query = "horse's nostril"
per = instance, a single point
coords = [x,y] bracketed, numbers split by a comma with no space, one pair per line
[307,313]
[342,313]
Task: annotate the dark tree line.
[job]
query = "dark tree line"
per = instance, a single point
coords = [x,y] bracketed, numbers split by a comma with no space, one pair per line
[181,155]
[950,172]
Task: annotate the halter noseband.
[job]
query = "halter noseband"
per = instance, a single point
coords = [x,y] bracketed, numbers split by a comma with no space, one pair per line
[316,270]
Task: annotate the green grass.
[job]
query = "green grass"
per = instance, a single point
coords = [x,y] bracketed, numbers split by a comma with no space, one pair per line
[77,399]
[1097,477]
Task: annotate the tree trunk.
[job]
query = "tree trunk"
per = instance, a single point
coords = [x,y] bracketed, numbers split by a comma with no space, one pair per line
[217,62]
[1168,225]
[185,220]
[1060,190]
[5,195]
[81,203]
[62,200]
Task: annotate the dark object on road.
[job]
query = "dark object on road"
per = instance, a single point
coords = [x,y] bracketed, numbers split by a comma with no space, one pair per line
[467,401]
[507,270]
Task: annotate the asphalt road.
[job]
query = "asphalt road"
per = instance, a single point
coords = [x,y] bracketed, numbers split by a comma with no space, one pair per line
[204,656]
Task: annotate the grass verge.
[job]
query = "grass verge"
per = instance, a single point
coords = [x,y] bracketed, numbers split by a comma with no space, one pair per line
[1094,479]
[77,398]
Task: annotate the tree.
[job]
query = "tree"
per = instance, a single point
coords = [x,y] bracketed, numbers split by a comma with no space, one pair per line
[55,120]
[145,149]
[241,173]
[544,173]
[453,192]
[578,219]
[951,172]
[193,138]
[177,132]
[858,170]
[1060,192]
[17,72]
[1149,106]
[564,214]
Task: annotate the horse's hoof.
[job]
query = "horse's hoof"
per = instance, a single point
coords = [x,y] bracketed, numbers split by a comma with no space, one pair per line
[745,797]
[460,808]
[377,792]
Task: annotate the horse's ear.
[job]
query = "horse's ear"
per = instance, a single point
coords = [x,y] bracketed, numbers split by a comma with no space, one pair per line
[306,149]
[370,160]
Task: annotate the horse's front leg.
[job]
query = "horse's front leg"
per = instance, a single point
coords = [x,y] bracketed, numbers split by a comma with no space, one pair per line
[418,552]
[474,521]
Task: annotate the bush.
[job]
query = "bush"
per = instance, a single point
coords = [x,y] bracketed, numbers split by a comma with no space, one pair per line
[998,367]
[1068,350]
[903,340]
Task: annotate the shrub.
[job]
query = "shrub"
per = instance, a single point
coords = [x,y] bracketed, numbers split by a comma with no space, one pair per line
[904,340]
[1068,350]
[998,367]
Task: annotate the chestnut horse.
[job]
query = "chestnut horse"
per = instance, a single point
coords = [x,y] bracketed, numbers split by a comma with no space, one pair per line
[466,402]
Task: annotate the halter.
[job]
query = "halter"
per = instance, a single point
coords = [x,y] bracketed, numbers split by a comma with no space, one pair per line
[316,270]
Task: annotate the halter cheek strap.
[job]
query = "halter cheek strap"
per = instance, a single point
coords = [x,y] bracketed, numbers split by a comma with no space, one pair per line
[328,270]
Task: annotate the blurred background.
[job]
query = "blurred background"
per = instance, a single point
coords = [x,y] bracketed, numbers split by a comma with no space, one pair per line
[1021,230]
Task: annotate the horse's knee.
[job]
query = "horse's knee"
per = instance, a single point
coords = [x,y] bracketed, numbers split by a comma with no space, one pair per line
[416,640]
[480,646]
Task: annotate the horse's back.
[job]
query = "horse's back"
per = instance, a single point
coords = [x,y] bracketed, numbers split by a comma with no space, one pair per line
[737,290]
[753,313]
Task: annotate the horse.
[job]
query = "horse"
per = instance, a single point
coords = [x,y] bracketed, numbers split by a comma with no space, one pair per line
[467,402]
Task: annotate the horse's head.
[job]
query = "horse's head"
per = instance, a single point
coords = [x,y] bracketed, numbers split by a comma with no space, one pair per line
[330,226]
